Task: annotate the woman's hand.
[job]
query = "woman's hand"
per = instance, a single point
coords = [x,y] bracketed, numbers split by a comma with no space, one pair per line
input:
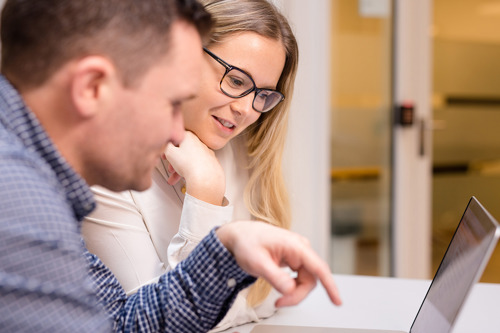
[197,163]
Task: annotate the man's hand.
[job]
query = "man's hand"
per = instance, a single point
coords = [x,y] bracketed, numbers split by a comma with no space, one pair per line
[193,160]
[261,249]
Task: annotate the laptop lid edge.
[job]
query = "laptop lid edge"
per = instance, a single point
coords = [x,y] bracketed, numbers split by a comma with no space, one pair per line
[479,272]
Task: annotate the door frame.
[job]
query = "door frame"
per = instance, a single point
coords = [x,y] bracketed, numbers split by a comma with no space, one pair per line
[412,144]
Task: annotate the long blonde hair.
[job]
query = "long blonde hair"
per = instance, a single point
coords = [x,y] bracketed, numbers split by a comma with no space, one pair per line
[265,194]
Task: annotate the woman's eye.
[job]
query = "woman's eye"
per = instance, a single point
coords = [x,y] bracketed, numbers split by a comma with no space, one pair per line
[263,95]
[236,82]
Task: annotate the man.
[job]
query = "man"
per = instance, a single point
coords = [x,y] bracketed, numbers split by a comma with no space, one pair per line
[90,94]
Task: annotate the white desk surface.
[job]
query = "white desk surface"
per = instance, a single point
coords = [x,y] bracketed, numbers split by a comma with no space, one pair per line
[384,303]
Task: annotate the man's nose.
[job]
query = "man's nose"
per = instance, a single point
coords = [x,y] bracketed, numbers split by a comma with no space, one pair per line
[178,130]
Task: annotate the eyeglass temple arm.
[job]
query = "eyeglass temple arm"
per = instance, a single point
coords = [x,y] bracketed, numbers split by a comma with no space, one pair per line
[219,60]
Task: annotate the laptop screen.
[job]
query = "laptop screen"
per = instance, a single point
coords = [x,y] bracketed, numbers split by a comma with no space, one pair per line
[461,267]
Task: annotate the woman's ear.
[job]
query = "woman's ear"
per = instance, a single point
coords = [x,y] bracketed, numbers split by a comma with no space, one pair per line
[93,85]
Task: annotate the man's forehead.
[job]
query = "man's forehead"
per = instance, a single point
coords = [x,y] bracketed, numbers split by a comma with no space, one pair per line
[184,59]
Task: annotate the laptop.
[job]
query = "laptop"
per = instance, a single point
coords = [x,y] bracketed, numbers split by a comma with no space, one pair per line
[461,267]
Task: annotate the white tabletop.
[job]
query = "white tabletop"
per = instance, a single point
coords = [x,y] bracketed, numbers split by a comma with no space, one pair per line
[384,303]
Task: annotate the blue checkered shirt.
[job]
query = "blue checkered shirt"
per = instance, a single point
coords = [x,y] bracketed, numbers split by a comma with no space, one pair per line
[49,282]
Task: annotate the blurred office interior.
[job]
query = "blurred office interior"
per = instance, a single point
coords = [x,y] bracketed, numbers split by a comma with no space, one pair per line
[462,133]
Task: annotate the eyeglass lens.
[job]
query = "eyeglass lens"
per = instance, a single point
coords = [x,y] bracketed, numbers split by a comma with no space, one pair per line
[236,83]
[265,100]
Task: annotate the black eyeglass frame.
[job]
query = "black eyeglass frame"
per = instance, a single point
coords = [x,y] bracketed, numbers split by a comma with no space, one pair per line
[229,68]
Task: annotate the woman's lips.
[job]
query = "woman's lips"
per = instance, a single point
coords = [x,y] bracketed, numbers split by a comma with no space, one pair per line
[225,124]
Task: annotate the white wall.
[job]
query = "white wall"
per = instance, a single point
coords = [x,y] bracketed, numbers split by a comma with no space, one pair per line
[307,159]
[412,170]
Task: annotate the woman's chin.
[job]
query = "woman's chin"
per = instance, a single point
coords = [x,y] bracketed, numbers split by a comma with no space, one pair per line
[216,146]
[213,143]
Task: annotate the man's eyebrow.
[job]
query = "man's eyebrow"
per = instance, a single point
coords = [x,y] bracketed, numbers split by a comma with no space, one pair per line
[184,99]
[190,97]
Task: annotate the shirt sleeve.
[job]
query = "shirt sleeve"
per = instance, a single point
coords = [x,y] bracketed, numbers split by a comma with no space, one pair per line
[193,297]
[243,313]
[197,219]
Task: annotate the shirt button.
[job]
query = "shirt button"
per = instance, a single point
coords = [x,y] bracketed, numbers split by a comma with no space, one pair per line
[231,283]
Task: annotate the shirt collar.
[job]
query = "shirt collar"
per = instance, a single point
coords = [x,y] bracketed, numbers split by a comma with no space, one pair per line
[20,120]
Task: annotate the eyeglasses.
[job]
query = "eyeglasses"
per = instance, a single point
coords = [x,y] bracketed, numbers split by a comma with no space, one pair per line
[236,83]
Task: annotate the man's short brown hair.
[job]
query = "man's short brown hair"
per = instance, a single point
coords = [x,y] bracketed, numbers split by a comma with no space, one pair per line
[40,36]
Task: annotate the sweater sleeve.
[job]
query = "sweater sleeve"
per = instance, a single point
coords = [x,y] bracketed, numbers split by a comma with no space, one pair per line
[117,234]
[197,219]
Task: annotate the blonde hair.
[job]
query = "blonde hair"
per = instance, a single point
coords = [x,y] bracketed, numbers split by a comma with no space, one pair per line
[265,194]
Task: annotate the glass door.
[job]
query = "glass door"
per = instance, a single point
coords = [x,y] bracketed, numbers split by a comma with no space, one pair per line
[361,125]
[466,108]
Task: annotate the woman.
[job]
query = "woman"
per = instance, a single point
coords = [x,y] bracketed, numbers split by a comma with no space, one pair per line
[227,168]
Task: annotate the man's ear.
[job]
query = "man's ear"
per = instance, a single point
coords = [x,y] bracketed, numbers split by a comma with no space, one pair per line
[93,84]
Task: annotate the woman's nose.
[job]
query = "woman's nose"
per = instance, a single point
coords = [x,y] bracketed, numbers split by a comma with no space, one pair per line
[243,105]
